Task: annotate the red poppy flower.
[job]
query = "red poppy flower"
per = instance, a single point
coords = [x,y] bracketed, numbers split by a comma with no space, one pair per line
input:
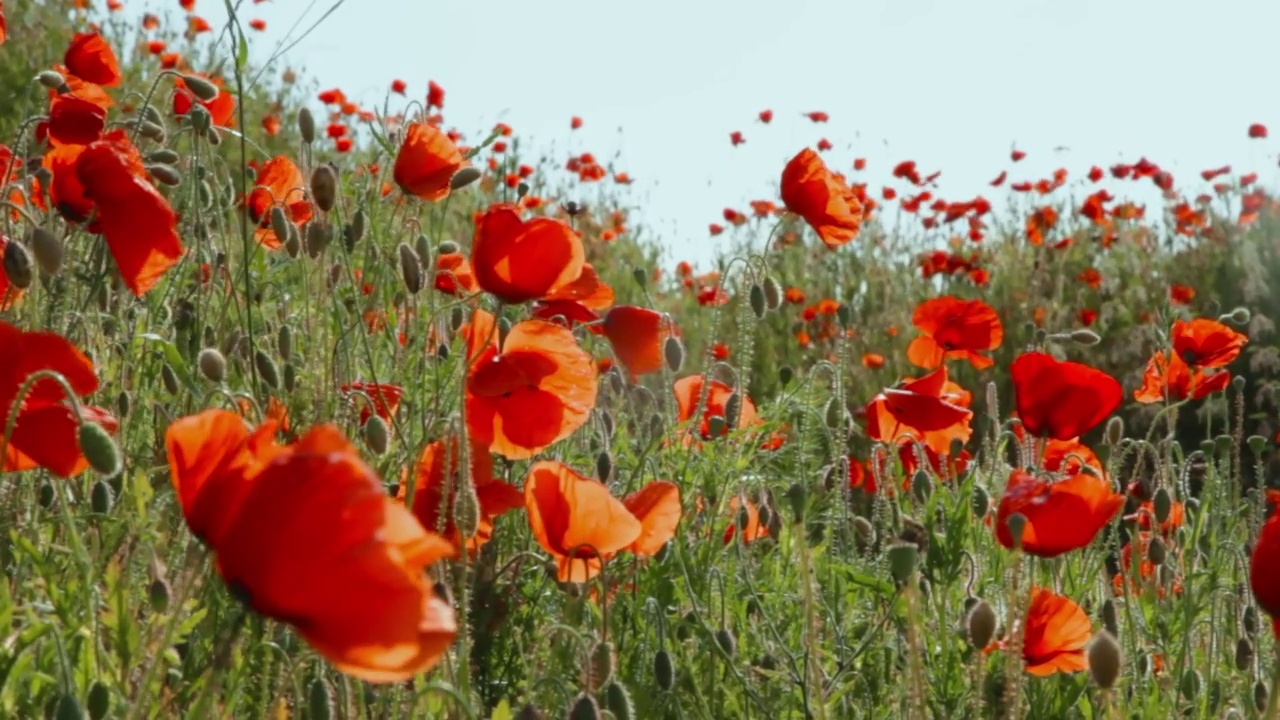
[385,399]
[279,183]
[1168,377]
[536,390]
[73,121]
[47,430]
[1061,516]
[435,95]
[688,392]
[66,192]
[1264,571]
[1257,131]
[588,290]
[4,25]
[1181,294]
[1070,457]
[518,261]
[90,58]
[307,535]
[132,216]
[1061,399]
[753,529]
[576,519]
[438,472]
[1055,633]
[427,162]
[9,294]
[925,410]
[454,275]
[822,198]
[221,108]
[954,328]
[638,336]
[657,507]
[1207,343]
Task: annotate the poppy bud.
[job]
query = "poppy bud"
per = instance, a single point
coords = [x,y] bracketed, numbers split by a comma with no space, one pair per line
[1250,619]
[284,342]
[68,708]
[99,449]
[640,277]
[785,375]
[756,297]
[902,560]
[1244,653]
[1157,552]
[664,670]
[359,222]
[584,707]
[377,435]
[99,700]
[1162,503]
[456,317]
[716,426]
[980,502]
[865,530]
[169,378]
[422,246]
[673,352]
[279,223]
[798,497]
[49,251]
[1191,682]
[124,404]
[618,700]
[101,497]
[980,624]
[1105,660]
[165,156]
[293,242]
[324,187]
[1259,696]
[201,88]
[201,121]
[1086,338]
[448,247]
[504,329]
[772,293]
[464,177]
[46,495]
[921,485]
[290,377]
[843,314]
[727,642]
[319,700]
[17,265]
[1016,522]
[602,662]
[158,594]
[834,413]
[318,236]
[410,269]
[1239,316]
[529,712]
[51,79]
[1257,444]
[306,125]
[267,369]
[166,174]
[212,364]
[466,510]
[733,409]
[604,467]
[656,424]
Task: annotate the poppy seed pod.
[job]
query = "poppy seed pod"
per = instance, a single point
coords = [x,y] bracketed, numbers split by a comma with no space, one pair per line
[1257,444]
[903,557]
[51,79]
[410,269]
[1259,696]
[921,485]
[290,377]
[201,88]
[359,223]
[17,265]
[158,595]
[1087,338]
[124,404]
[835,412]
[1157,552]
[980,624]
[1105,660]
[49,251]
[46,496]
[1244,654]
[618,701]
[604,466]
[319,700]
[99,701]
[602,663]
[673,353]
[464,177]
[1191,683]
[324,187]
[772,293]
[212,364]
[377,435]
[166,174]
[733,409]
[584,707]
[99,449]
[318,236]
[306,125]
[756,298]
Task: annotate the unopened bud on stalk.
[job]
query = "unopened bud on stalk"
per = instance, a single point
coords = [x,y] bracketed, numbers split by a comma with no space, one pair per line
[1087,338]
[212,364]
[166,174]
[602,662]
[99,449]
[727,642]
[466,511]
[772,293]
[903,557]
[306,125]
[201,88]
[169,378]
[664,670]
[980,502]
[584,707]
[99,702]
[377,435]
[324,187]
[279,223]
[1114,431]
[1105,660]
[359,222]
[51,80]
[1239,316]
[410,269]
[201,120]
[1156,551]
[1017,523]
[1110,617]
[284,342]
[1162,504]
[267,369]
[293,241]
[757,300]
[1244,654]
[17,265]
[673,353]
[318,236]
[640,277]
[447,247]
[164,155]
[844,314]
[865,530]
[980,624]
[604,466]
[319,700]
[618,700]
[798,498]
[464,177]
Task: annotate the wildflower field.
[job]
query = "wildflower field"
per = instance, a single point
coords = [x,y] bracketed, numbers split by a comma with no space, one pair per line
[319,410]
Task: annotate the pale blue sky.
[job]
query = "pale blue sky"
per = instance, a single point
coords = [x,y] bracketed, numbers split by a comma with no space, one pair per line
[952,85]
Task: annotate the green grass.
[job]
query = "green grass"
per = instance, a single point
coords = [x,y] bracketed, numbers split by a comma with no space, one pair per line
[106,594]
